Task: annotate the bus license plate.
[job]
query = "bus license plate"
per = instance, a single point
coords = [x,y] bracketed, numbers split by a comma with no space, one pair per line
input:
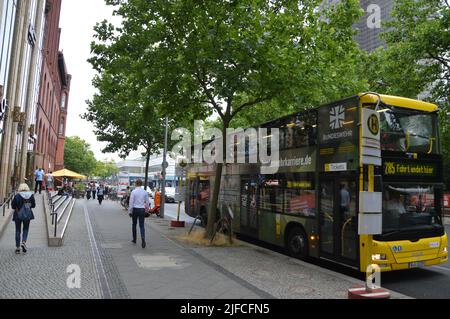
[417,264]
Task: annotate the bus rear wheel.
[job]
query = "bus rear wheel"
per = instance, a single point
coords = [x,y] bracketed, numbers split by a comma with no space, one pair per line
[297,243]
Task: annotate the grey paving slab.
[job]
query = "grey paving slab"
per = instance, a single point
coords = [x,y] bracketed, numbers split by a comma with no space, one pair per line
[164,269]
[277,275]
[41,273]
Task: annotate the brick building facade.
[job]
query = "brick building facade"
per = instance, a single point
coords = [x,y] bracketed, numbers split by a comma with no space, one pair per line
[53,97]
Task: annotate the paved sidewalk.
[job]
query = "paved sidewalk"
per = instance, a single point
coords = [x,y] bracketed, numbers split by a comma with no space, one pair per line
[278,275]
[41,273]
[98,241]
[163,270]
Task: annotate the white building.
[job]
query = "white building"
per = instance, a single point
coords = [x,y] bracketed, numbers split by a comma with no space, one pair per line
[136,170]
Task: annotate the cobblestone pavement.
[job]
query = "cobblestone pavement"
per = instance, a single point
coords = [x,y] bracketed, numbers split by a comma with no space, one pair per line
[41,273]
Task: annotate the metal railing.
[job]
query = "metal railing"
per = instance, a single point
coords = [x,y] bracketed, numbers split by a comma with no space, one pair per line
[54,210]
[7,202]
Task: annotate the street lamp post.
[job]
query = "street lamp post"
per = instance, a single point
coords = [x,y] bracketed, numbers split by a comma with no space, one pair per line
[164,168]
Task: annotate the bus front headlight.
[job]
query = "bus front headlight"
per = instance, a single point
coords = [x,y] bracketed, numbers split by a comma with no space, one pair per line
[379,257]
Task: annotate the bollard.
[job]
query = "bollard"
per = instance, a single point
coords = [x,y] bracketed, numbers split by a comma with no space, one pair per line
[370,290]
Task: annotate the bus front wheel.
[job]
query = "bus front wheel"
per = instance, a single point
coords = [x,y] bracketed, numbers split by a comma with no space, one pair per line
[297,243]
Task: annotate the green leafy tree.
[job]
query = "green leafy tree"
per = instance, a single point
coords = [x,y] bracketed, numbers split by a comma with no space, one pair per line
[105,169]
[417,58]
[122,121]
[78,156]
[225,57]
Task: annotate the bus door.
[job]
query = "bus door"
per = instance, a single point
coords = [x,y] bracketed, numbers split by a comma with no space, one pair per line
[338,218]
[192,205]
[249,210]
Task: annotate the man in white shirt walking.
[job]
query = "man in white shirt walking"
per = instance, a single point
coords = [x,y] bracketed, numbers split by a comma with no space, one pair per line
[139,203]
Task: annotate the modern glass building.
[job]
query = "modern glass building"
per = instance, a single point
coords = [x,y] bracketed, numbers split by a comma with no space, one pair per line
[370,26]
[7,19]
[21,38]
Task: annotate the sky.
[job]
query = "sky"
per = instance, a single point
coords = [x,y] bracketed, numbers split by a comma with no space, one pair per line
[78,17]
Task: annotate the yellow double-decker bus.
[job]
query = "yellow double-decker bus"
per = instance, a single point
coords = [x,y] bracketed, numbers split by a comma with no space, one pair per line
[311,205]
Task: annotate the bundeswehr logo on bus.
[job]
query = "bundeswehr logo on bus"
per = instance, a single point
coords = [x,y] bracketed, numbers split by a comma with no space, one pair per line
[337,117]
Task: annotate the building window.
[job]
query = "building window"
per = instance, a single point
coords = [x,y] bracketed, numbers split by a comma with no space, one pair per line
[63,101]
[61,127]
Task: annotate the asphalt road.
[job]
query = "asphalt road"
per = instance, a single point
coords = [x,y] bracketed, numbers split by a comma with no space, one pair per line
[423,283]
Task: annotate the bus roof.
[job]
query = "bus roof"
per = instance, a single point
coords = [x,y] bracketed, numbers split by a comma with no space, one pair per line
[400,102]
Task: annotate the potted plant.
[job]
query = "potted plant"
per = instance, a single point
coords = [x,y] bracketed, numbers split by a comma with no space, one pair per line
[79,190]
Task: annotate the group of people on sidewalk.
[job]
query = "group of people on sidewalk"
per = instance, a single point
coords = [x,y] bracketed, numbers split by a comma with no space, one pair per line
[42,180]
[101,191]
[24,202]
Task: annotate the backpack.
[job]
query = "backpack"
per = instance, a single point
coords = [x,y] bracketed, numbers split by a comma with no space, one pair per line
[25,213]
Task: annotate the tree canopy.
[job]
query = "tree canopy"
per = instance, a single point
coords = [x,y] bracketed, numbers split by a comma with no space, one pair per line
[189,59]
[416,61]
[78,156]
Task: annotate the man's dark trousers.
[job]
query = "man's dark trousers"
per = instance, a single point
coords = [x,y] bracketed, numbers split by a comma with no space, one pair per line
[138,214]
[38,183]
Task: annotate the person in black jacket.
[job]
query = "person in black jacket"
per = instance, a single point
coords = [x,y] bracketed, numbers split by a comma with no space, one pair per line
[24,196]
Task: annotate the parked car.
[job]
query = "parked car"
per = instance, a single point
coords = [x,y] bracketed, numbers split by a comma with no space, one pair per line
[170,194]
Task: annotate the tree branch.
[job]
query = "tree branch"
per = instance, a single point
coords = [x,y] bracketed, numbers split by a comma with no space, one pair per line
[250,103]
[444,61]
[209,95]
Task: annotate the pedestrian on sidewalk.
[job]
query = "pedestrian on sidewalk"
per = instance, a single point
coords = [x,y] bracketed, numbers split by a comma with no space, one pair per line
[139,203]
[100,193]
[49,183]
[39,178]
[22,204]
[94,190]
[88,191]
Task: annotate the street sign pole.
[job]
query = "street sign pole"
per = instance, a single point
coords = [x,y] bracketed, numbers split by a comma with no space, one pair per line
[179,201]
[164,168]
[179,171]
[370,204]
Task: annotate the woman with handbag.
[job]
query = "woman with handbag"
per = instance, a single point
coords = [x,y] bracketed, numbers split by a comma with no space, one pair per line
[22,204]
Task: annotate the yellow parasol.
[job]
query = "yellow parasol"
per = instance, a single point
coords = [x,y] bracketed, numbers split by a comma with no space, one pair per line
[68,173]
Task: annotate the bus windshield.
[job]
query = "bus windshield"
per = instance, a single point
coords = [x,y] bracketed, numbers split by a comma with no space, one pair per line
[411,208]
[408,131]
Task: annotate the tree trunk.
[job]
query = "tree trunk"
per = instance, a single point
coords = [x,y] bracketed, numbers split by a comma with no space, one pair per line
[214,199]
[146,169]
